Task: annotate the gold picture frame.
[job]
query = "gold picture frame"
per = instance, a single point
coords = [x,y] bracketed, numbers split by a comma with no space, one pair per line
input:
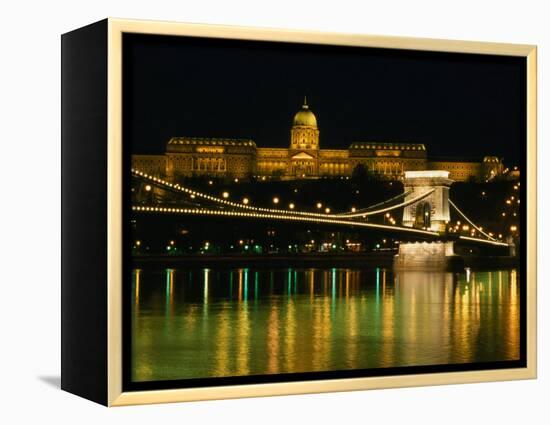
[114,208]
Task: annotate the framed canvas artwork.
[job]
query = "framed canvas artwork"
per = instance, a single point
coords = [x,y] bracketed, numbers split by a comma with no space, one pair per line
[251,212]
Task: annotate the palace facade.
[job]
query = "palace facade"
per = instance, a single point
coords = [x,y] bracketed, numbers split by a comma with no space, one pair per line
[241,158]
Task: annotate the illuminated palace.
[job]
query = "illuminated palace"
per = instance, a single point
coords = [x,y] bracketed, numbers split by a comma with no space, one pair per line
[241,158]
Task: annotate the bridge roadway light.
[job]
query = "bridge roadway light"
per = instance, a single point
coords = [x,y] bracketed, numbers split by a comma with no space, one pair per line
[275,200]
[353,209]
[245,201]
[327,210]
[225,195]
[319,205]
[291,206]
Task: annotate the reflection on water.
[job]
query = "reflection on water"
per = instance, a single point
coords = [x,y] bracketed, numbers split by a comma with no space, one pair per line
[211,323]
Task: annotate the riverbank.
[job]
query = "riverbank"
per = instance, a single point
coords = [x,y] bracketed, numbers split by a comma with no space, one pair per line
[488,263]
[377,259]
[373,259]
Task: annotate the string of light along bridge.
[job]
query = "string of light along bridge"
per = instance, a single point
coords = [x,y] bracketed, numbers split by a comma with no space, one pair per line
[245,210]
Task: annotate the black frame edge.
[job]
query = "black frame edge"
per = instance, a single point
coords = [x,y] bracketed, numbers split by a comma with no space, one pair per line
[84,212]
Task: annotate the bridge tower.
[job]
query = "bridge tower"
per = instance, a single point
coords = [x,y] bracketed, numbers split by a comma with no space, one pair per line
[431,212]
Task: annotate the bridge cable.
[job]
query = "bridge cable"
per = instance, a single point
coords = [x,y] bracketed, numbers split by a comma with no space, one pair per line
[401,205]
[284,217]
[179,188]
[470,221]
[369,208]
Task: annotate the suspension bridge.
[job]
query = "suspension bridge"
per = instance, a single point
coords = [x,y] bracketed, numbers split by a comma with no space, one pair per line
[425,204]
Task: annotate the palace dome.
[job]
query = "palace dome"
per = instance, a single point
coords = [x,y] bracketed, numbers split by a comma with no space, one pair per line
[304,117]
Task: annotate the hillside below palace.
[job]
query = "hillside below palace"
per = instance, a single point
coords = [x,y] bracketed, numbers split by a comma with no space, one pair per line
[241,158]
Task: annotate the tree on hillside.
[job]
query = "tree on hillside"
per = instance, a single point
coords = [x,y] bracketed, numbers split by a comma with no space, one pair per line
[361,174]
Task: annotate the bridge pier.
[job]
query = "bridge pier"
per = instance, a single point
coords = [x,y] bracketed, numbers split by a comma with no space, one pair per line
[427,256]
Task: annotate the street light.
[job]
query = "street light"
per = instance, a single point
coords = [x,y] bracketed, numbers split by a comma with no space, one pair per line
[225,195]
[148,187]
[319,205]
[275,200]
[291,206]
[245,201]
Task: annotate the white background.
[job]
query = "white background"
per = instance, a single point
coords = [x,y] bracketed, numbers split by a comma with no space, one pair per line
[30,210]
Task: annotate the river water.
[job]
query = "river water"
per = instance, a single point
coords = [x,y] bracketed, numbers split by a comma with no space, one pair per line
[231,322]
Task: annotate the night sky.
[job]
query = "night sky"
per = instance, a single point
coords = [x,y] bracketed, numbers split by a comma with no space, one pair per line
[458,105]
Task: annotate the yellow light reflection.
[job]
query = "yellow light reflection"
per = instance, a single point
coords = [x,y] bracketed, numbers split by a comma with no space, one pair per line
[223,342]
[273,340]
